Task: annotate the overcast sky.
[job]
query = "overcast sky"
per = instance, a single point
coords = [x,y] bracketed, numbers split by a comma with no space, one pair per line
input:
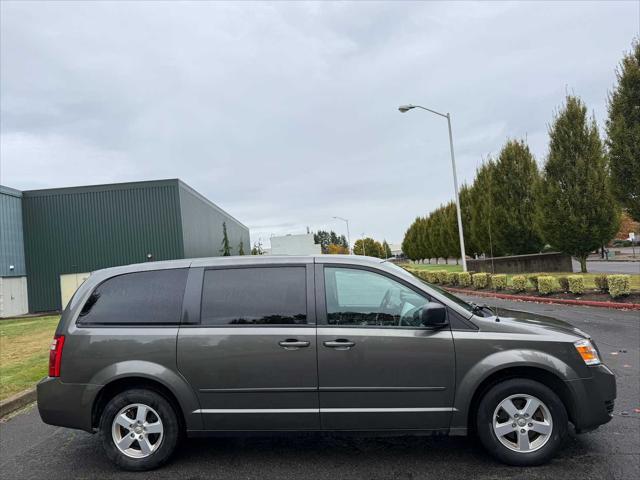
[286,114]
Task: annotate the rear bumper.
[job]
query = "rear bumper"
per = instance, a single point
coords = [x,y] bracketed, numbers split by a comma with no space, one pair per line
[593,398]
[66,404]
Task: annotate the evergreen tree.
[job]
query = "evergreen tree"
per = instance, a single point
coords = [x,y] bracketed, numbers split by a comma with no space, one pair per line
[424,241]
[241,248]
[483,223]
[386,249]
[226,248]
[623,133]
[410,242]
[325,239]
[452,237]
[577,213]
[513,194]
[465,212]
[438,234]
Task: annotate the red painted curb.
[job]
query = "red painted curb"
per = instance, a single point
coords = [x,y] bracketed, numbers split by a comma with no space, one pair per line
[565,301]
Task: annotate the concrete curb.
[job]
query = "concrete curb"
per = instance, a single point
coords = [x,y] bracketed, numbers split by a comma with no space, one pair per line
[17,401]
[562,301]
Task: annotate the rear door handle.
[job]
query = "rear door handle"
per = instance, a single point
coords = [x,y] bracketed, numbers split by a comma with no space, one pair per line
[340,344]
[293,344]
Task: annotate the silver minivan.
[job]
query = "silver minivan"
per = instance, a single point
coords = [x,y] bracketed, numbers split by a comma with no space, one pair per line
[146,353]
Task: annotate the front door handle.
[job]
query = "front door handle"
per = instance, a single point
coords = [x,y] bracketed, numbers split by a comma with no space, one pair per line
[340,344]
[293,344]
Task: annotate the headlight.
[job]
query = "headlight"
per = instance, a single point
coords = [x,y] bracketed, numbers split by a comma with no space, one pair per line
[587,351]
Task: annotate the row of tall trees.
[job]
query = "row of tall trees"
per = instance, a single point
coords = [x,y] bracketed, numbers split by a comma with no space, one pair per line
[513,208]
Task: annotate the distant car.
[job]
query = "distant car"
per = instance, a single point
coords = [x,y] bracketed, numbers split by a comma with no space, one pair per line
[145,353]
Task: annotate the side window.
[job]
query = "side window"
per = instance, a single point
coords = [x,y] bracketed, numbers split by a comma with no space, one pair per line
[141,298]
[362,298]
[254,296]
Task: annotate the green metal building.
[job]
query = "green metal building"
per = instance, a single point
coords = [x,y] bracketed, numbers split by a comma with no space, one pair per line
[81,229]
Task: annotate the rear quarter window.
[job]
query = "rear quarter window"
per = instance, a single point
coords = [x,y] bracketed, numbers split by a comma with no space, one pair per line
[140,298]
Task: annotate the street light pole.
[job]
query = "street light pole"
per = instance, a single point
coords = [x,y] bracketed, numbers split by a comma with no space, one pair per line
[406,108]
[348,235]
[364,252]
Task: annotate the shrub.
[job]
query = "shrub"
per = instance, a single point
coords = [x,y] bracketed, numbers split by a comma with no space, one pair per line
[563,281]
[576,284]
[452,278]
[619,285]
[601,282]
[534,281]
[547,284]
[499,281]
[519,283]
[480,280]
[464,279]
[431,276]
[442,276]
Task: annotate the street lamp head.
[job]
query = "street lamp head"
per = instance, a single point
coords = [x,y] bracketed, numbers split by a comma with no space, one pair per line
[406,108]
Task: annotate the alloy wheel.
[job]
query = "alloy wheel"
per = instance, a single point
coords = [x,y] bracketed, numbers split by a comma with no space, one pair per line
[137,430]
[522,423]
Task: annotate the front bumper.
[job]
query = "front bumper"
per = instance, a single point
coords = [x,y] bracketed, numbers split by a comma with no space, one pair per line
[593,398]
[66,404]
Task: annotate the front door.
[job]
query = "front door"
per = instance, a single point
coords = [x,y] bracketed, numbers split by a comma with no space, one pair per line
[252,357]
[378,367]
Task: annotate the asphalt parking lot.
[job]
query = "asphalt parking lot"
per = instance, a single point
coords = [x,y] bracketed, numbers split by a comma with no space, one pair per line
[31,449]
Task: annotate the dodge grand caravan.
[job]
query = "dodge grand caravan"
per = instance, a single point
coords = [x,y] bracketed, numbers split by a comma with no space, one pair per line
[146,353]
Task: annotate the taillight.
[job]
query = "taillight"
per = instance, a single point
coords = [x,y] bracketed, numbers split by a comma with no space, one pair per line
[55,355]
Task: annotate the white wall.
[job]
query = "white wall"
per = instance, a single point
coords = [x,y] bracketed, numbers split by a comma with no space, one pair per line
[14,299]
[294,245]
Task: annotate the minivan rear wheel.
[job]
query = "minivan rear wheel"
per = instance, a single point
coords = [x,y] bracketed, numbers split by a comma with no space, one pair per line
[139,429]
[521,422]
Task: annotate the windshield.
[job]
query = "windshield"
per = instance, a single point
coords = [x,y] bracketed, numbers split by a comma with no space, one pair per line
[458,301]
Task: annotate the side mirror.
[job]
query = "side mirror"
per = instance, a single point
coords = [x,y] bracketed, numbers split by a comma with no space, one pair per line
[433,315]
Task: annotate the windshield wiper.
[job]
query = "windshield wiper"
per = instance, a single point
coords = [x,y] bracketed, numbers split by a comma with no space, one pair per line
[480,309]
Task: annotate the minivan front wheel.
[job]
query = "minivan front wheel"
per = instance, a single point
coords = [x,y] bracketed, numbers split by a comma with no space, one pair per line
[139,429]
[521,422]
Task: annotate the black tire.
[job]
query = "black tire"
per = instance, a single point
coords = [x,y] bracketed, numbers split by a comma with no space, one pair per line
[484,421]
[170,425]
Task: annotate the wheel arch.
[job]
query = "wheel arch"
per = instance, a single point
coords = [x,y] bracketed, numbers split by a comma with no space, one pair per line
[122,384]
[542,375]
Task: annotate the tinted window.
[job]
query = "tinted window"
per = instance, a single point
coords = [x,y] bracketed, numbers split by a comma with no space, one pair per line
[141,298]
[359,297]
[254,296]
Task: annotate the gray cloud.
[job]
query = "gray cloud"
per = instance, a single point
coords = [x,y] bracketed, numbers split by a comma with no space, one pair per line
[285,114]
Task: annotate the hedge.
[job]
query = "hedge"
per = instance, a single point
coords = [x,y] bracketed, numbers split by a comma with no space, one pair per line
[431,276]
[563,281]
[499,281]
[547,284]
[519,283]
[452,278]
[601,282]
[442,276]
[619,285]
[534,281]
[576,284]
[480,280]
[464,279]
